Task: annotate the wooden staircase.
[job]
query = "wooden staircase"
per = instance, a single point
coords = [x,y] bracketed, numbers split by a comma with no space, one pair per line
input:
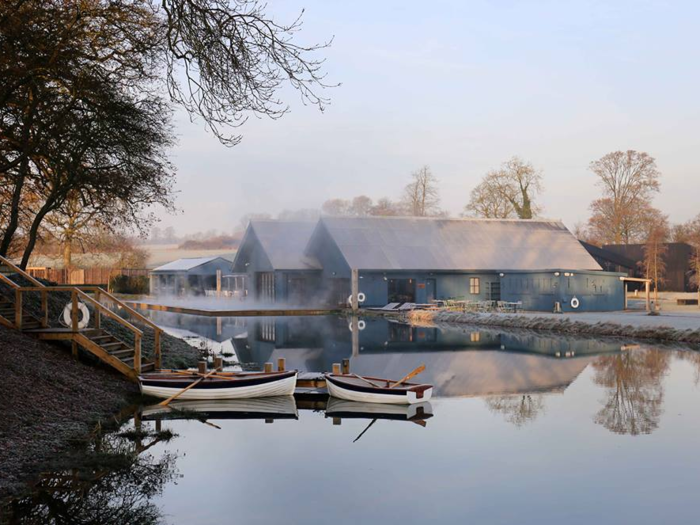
[124,357]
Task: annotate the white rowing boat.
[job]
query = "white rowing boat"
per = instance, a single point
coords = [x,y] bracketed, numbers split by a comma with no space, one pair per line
[278,407]
[245,385]
[376,390]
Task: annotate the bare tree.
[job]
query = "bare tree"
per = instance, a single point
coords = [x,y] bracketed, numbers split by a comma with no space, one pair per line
[361,206]
[386,208]
[628,180]
[689,232]
[421,196]
[336,207]
[489,204]
[509,191]
[655,251]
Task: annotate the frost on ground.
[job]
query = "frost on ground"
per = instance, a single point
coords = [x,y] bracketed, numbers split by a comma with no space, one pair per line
[683,328]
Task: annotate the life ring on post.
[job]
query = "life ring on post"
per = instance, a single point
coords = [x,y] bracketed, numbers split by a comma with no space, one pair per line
[361,325]
[84,319]
[361,297]
[575,303]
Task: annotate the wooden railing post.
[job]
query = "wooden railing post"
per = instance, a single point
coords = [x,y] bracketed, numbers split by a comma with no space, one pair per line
[18,309]
[137,353]
[98,316]
[157,349]
[74,310]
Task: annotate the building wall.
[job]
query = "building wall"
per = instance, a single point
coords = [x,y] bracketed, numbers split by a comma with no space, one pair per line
[538,291]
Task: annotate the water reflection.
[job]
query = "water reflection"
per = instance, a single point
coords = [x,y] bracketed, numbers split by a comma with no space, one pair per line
[514,412]
[112,480]
[634,394]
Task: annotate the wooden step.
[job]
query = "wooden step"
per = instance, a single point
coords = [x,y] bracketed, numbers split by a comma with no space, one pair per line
[126,352]
[110,347]
[148,367]
[103,337]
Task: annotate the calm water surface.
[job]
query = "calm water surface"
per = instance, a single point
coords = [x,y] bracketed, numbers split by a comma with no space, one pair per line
[524,429]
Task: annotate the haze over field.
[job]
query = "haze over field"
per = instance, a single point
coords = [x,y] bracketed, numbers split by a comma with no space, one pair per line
[462,87]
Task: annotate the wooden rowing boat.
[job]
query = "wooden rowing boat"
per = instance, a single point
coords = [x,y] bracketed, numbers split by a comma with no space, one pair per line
[376,390]
[245,385]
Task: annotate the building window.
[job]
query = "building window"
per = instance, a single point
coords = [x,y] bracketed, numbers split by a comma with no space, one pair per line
[474,285]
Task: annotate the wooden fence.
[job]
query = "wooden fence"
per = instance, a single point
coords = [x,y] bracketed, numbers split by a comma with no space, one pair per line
[80,276]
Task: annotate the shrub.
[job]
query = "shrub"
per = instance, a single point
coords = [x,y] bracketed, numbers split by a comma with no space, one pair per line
[137,284]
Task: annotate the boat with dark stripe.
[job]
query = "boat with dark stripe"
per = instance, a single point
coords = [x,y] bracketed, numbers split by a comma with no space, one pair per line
[376,390]
[220,385]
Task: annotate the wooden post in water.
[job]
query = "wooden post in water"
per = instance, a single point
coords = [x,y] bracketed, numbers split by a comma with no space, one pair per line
[202,367]
[280,364]
[137,353]
[355,335]
[346,366]
[354,289]
[218,363]
[336,368]
[218,283]
[268,368]
[337,421]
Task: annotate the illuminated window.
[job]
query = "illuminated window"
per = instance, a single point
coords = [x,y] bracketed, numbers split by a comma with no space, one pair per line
[474,285]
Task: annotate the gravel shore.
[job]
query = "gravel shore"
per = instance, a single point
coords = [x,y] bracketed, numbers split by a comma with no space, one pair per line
[663,328]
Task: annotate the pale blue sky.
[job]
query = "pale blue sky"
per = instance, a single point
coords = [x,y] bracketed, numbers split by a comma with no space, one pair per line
[462,86]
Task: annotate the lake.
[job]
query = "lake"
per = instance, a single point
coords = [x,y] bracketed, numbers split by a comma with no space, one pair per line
[522,428]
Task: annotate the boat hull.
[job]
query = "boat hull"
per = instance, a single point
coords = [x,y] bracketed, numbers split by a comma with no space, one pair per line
[283,386]
[364,395]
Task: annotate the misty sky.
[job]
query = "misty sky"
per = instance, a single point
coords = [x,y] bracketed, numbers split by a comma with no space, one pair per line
[462,86]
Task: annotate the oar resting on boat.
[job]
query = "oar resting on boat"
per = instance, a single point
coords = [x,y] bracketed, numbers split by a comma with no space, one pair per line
[213,386]
[370,390]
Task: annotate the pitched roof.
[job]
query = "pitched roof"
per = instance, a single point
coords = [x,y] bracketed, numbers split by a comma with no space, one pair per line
[183,265]
[409,243]
[284,243]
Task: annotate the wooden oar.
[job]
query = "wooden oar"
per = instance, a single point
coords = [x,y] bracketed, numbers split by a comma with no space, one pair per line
[167,401]
[375,385]
[365,430]
[417,371]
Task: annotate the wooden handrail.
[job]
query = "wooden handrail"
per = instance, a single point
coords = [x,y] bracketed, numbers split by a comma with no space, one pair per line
[108,312]
[8,281]
[139,316]
[21,272]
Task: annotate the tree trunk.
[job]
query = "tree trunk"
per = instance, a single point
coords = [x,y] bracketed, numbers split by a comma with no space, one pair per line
[13,222]
[48,206]
[68,253]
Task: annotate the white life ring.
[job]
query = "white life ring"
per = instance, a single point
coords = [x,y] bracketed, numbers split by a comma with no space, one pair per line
[361,325]
[83,321]
[361,297]
[575,303]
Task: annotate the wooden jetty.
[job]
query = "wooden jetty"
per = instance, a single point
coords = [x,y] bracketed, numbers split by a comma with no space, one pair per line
[230,313]
[126,357]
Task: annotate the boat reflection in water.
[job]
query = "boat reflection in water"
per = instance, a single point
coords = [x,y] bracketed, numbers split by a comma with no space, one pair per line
[277,407]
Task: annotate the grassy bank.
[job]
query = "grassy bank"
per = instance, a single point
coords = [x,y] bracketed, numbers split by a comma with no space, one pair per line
[50,401]
[563,325]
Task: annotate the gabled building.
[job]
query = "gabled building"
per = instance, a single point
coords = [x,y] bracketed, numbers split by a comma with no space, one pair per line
[188,276]
[271,264]
[419,260]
